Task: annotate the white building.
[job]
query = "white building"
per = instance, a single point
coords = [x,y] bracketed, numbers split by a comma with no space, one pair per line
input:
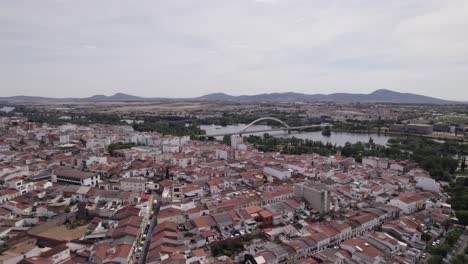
[76,177]
[171,148]
[236,140]
[316,197]
[277,172]
[427,184]
[133,184]
[8,194]
[375,162]
[182,160]
[64,138]
[4,146]
[98,143]
[95,159]
[409,202]
[227,154]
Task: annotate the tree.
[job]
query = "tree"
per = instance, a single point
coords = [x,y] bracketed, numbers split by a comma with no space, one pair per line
[435,259]
[426,237]
[227,140]
[326,131]
[119,145]
[460,259]
[463,164]
[347,150]
[167,173]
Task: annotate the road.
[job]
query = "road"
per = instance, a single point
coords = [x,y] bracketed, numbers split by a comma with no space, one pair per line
[153,224]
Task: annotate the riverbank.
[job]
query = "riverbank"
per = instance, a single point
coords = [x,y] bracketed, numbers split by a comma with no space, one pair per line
[398,134]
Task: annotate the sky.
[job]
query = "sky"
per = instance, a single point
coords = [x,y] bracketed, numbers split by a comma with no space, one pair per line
[188,48]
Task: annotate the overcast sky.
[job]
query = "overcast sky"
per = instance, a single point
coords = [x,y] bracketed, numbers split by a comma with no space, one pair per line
[184,48]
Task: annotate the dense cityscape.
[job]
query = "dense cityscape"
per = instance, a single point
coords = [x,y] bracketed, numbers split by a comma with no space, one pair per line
[129,193]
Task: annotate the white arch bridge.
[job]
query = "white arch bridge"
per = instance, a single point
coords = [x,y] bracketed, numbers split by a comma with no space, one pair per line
[285,127]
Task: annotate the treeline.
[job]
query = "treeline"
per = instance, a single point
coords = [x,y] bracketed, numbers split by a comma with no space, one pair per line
[171,125]
[54,117]
[458,190]
[293,145]
[362,125]
[170,128]
[119,145]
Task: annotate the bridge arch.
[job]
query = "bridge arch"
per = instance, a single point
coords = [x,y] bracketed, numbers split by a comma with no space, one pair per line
[263,119]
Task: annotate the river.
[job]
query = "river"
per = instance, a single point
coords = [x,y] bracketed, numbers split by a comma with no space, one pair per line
[338,138]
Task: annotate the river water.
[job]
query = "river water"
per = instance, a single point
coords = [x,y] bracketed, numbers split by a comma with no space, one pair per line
[338,138]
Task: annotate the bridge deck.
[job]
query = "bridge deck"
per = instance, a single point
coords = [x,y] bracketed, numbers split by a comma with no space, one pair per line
[264,130]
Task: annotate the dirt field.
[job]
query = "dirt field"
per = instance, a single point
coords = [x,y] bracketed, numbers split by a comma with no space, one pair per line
[63,233]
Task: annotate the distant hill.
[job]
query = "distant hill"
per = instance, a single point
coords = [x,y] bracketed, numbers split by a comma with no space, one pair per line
[378,96]
[115,97]
[217,97]
[95,98]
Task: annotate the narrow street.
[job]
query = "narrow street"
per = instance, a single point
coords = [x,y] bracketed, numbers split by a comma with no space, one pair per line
[153,224]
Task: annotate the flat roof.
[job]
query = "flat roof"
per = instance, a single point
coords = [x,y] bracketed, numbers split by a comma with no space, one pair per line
[75,173]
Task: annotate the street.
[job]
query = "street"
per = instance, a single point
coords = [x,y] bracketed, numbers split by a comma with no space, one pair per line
[153,224]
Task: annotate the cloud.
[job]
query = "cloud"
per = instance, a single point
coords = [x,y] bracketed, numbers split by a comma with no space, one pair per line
[189,48]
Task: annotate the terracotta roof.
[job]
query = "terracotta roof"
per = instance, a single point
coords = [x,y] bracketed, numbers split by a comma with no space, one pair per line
[199,252]
[54,251]
[165,234]
[363,218]
[169,212]
[161,249]
[133,220]
[107,252]
[169,226]
[364,247]
[204,221]
[317,237]
[410,197]
[125,230]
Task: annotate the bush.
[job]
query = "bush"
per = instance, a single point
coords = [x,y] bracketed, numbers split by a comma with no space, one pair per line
[460,259]
[119,145]
[226,249]
[188,234]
